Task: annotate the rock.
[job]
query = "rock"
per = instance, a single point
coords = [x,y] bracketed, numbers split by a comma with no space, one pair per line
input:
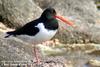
[51,62]
[95,51]
[4,29]
[16,13]
[14,49]
[94,63]
[83,14]
[63,49]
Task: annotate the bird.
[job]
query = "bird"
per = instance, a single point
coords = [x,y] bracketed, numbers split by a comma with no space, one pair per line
[41,29]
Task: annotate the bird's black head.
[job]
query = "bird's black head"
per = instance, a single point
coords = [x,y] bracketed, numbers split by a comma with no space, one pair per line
[48,13]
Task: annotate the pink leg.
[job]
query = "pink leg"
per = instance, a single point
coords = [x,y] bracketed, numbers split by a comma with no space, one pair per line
[36,53]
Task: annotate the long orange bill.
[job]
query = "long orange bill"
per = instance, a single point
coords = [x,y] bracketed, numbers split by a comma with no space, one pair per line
[64,20]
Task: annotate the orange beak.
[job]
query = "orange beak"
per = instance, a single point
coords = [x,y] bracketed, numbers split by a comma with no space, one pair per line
[65,20]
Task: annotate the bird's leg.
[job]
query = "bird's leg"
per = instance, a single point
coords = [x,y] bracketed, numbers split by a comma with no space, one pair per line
[36,53]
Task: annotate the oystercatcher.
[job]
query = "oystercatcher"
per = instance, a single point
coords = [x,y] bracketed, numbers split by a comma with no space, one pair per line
[41,29]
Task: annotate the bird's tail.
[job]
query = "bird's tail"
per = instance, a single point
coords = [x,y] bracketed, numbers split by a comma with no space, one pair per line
[9,34]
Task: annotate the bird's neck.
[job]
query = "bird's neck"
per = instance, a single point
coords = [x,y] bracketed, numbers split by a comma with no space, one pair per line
[51,24]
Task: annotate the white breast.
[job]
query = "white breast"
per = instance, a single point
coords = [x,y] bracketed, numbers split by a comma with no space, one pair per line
[44,34]
[41,36]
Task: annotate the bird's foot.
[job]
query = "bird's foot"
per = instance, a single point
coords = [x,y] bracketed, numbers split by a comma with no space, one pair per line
[38,61]
[37,55]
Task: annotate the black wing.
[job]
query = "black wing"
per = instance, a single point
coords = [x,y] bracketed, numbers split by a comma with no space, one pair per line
[27,29]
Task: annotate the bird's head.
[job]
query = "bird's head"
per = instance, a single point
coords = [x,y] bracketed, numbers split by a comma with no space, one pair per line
[50,13]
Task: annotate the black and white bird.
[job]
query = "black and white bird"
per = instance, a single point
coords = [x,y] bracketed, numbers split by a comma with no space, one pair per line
[41,29]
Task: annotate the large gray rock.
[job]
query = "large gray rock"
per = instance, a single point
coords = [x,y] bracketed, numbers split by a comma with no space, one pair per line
[14,49]
[15,13]
[85,15]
